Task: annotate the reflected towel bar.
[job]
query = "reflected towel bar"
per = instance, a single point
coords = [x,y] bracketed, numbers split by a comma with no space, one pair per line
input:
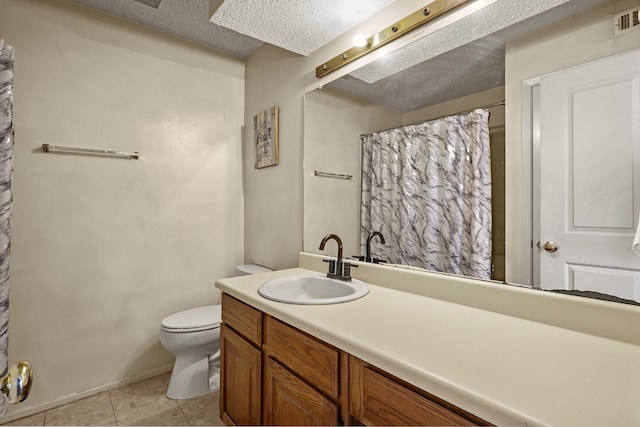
[332,175]
[56,148]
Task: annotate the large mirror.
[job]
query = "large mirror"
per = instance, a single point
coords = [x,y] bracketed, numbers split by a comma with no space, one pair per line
[420,83]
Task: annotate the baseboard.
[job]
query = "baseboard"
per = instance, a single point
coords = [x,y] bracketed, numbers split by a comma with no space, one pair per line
[26,412]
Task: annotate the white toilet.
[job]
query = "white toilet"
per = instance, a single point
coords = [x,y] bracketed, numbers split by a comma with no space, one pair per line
[193,336]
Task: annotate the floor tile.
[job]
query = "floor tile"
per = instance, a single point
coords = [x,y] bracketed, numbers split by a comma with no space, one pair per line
[33,420]
[138,394]
[143,403]
[166,377]
[209,418]
[161,412]
[92,411]
[198,405]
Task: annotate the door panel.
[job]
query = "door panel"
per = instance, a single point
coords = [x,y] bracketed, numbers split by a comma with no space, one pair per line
[590,176]
[605,280]
[602,160]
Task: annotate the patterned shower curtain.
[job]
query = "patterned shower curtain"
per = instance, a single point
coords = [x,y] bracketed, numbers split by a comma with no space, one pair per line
[6,172]
[427,189]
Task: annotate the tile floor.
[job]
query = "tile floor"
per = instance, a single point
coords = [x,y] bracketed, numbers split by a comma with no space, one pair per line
[140,404]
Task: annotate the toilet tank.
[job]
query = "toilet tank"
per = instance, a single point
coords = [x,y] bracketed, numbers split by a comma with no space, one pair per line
[246,269]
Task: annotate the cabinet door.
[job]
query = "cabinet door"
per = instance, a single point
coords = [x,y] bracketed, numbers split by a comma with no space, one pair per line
[240,377]
[290,401]
[378,399]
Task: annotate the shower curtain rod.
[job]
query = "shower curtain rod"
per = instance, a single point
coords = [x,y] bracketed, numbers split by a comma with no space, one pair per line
[495,104]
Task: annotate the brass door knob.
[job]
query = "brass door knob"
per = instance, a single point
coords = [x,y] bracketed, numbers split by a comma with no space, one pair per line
[550,246]
[16,385]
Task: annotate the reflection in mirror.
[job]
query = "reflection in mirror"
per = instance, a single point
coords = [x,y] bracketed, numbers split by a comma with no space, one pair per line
[334,123]
[427,186]
[337,115]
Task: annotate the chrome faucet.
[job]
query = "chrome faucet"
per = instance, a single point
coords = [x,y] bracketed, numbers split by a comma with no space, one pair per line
[337,269]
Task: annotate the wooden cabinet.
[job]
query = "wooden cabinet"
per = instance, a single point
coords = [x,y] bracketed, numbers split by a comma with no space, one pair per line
[274,374]
[244,319]
[302,384]
[240,379]
[290,401]
[310,358]
[286,377]
[240,363]
[377,398]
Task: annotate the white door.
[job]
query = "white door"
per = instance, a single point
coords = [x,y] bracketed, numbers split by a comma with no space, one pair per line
[590,177]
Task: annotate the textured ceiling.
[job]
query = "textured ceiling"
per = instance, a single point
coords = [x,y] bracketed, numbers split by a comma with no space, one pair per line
[458,60]
[238,27]
[502,21]
[474,67]
[187,19]
[295,25]
[462,58]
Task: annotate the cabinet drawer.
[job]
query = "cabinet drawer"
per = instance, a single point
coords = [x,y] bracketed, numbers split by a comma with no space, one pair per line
[315,361]
[378,399]
[245,320]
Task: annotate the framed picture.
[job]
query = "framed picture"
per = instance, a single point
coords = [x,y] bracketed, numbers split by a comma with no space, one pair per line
[265,127]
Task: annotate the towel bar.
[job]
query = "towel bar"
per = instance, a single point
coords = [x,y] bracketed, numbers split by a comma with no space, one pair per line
[56,148]
[332,175]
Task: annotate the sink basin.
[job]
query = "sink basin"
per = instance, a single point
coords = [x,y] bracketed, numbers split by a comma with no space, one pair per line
[312,290]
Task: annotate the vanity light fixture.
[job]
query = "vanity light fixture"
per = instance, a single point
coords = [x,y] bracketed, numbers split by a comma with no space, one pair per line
[406,24]
[359,40]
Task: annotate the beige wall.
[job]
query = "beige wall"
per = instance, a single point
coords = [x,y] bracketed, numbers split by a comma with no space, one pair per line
[332,128]
[274,195]
[104,248]
[577,40]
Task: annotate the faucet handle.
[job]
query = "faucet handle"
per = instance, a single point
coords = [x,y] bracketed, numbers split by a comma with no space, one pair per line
[346,272]
[332,265]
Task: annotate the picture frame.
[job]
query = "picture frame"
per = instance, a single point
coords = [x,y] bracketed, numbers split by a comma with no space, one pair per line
[265,125]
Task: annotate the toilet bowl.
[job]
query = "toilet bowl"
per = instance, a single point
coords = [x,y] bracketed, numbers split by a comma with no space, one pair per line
[193,337]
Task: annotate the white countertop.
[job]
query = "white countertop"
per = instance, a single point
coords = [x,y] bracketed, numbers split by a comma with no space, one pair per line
[505,369]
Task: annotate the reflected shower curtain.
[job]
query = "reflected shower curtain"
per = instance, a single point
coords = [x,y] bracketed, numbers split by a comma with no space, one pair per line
[6,171]
[427,188]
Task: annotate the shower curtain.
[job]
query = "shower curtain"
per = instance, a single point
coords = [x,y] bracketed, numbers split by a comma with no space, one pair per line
[427,188]
[6,172]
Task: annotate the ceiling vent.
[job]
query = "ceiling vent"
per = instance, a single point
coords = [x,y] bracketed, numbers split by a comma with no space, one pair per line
[153,3]
[625,22]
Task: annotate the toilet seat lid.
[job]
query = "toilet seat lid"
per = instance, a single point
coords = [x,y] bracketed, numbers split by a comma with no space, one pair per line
[200,318]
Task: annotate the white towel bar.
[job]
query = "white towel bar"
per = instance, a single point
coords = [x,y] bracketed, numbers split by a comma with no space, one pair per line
[56,148]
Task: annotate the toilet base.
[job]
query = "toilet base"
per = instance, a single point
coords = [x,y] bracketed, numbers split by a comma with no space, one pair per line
[214,383]
[190,378]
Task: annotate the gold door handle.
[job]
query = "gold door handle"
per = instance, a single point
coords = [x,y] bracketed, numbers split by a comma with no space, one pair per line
[16,385]
[550,246]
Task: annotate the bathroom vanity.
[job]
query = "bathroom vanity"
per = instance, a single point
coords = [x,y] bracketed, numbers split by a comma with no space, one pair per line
[426,349]
[309,382]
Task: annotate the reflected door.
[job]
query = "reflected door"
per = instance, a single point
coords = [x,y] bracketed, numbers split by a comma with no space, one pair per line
[590,177]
